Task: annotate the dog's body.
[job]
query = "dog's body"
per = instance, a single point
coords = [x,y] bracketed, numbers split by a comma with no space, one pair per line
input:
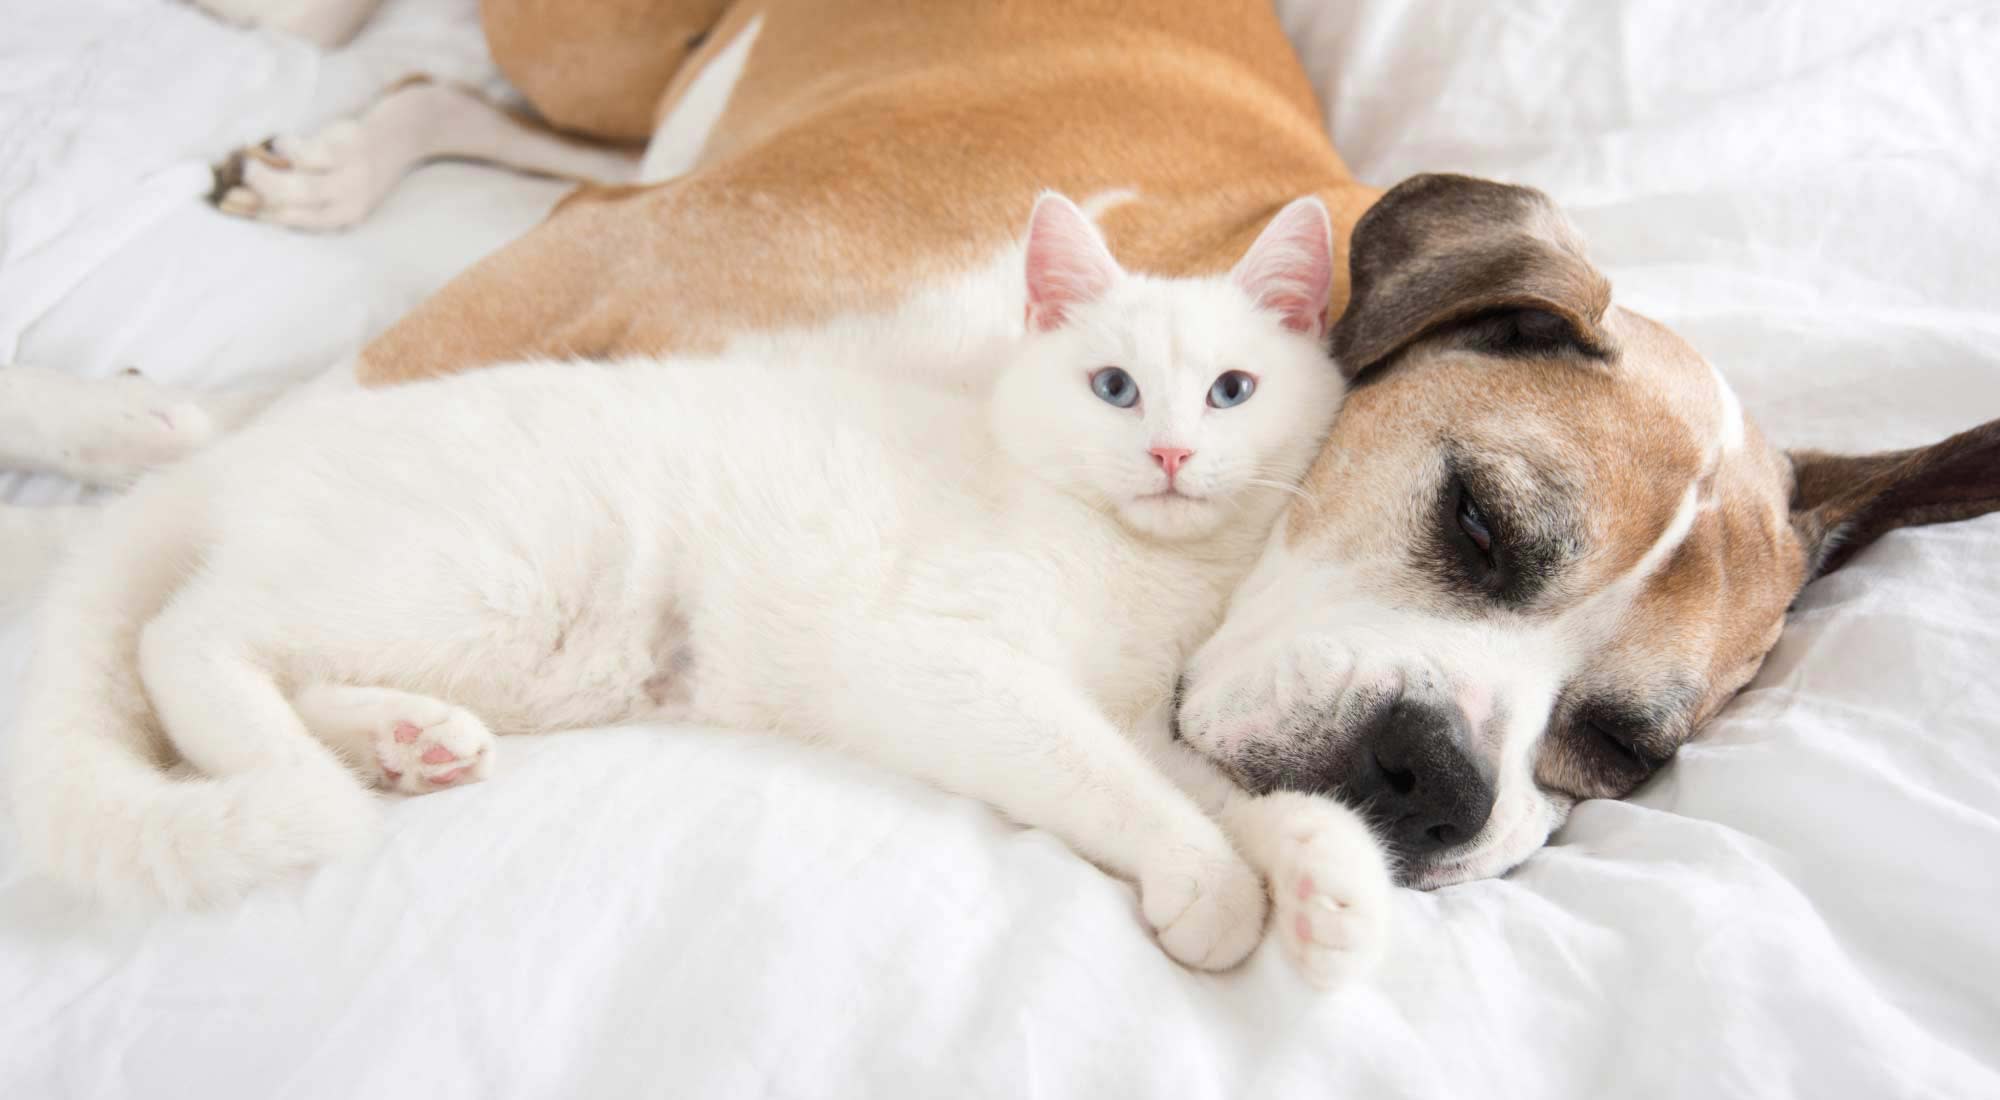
[1545,544]
[805,182]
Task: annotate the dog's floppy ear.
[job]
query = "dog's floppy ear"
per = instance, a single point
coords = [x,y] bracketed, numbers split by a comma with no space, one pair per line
[1841,503]
[1489,264]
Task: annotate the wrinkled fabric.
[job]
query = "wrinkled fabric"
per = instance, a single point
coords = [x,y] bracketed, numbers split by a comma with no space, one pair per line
[1803,904]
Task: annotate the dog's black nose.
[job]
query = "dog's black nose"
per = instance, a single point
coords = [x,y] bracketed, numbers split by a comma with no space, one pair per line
[1412,771]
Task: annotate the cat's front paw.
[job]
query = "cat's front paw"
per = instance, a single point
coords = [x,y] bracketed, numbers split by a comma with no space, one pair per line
[1330,888]
[1206,906]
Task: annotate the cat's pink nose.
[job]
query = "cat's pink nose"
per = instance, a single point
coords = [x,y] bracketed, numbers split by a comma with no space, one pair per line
[1171,459]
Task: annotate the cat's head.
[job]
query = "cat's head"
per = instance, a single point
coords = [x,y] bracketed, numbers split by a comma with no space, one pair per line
[1178,405]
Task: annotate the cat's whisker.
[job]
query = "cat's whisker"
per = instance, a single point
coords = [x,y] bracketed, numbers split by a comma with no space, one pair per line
[1281,486]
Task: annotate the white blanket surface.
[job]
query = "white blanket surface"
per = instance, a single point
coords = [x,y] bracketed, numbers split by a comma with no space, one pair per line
[1803,905]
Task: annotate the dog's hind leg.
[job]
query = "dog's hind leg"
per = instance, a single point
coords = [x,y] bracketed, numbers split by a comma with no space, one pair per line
[327,22]
[601,68]
[334,178]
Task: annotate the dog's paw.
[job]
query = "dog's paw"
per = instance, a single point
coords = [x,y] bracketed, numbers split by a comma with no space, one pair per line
[326,23]
[1330,888]
[329,180]
[102,431]
[1206,906]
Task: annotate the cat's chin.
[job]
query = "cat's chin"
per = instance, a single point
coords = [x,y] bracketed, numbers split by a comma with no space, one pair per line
[1172,517]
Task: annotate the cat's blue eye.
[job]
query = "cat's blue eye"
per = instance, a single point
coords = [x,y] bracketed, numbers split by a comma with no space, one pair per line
[1233,388]
[1114,387]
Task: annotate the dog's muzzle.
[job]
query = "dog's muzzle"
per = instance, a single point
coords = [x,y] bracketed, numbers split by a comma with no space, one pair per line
[1410,769]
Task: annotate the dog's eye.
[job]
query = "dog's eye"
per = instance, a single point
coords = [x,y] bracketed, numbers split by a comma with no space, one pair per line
[1475,523]
[1619,741]
[1474,529]
[1482,554]
[1624,741]
[1605,746]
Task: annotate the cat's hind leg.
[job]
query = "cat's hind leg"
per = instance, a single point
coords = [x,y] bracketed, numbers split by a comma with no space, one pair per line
[398,740]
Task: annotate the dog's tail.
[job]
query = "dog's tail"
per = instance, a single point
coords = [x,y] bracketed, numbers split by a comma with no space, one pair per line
[93,798]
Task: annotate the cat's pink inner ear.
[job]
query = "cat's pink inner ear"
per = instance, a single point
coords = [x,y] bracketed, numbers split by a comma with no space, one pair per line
[1069,264]
[1290,269]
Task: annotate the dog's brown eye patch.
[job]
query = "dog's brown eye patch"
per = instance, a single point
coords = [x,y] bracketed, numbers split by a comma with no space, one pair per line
[1486,545]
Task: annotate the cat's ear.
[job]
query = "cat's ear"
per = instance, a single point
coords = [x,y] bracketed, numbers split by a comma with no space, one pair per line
[1069,264]
[1289,271]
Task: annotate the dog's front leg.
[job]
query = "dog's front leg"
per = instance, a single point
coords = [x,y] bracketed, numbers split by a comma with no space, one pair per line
[108,431]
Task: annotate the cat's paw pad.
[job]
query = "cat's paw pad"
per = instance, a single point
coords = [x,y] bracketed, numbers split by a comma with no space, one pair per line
[1330,889]
[417,753]
[1207,908]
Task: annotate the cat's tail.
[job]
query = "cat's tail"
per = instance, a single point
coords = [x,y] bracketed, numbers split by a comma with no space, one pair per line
[94,802]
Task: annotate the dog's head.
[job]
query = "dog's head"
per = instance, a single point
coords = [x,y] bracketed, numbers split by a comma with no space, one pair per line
[1543,546]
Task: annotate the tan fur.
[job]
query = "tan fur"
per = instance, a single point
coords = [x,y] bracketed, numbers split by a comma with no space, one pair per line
[870,145]
[599,68]
[1719,604]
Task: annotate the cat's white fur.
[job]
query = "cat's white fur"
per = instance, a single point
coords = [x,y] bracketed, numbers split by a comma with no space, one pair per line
[990,592]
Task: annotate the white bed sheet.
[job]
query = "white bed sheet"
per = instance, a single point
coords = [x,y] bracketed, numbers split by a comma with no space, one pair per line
[1802,905]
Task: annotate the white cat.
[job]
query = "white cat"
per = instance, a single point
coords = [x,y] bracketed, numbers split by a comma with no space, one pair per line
[992,593]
